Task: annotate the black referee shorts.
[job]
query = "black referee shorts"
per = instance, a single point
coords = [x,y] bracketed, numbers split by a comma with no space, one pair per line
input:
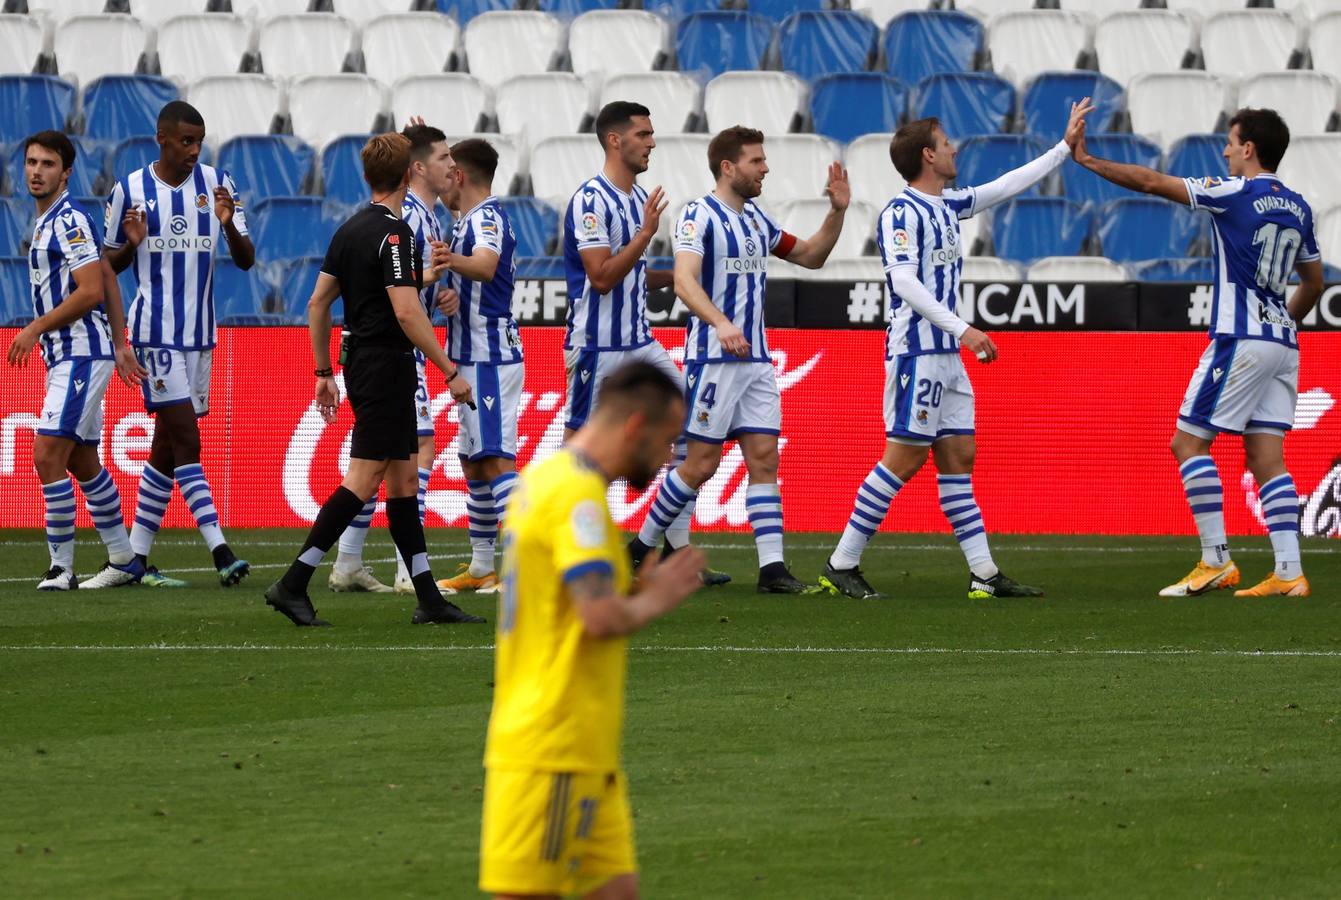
[381,383]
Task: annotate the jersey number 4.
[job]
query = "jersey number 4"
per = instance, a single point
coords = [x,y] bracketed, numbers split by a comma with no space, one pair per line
[1275,261]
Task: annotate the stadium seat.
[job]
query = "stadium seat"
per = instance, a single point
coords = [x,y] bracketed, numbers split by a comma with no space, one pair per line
[500,45]
[1324,36]
[509,158]
[560,164]
[1137,228]
[408,44]
[191,47]
[988,9]
[844,107]
[296,278]
[920,44]
[32,103]
[674,10]
[1205,8]
[1076,268]
[710,43]
[21,41]
[89,47]
[1032,41]
[16,306]
[1084,186]
[798,167]
[1169,105]
[542,104]
[1032,227]
[1135,41]
[803,217]
[366,12]
[1309,167]
[240,298]
[778,10]
[973,233]
[236,104]
[323,107]
[612,42]
[1197,156]
[272,165]
[13,234]
[673,97]
[869,169]
[1046,104]
[990,268]
[1247,42]
[60,10]
[117,107]
[156,12]
[1308,10]
[465,10]
[569,9]
[1306,100]
[967,103]
[679,164]
[304,44]
[882,11]
[260,8]
[814,44]
[769,101]
[1327,229]
[989,156]
[138,152]
[455,96]
[286,227]
[1197,269]
[342,170]
[535,224]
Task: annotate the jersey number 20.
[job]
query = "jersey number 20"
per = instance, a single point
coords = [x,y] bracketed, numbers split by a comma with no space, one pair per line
[1276,259]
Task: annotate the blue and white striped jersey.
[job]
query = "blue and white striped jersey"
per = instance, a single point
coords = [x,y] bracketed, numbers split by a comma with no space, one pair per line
[64,240]
[735,247]
[1261,229]
[174,264]
[601,215]
[426,227]
[921,232]
[483,330]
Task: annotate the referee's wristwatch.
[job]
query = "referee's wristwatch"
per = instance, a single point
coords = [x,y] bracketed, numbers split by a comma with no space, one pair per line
[327,372]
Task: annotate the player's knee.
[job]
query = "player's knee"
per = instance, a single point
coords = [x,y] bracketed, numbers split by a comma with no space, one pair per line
[49,460]
[763,467]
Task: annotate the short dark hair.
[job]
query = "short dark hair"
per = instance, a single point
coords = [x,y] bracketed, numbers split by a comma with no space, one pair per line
[179,112]
[617,116]
[1267,131]
[422,138]
[55,141]
[386,157]
[638,387]
[905,149]
[726,146]
[477,158]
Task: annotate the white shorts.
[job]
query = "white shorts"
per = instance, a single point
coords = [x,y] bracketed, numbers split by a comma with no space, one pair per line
[729,399]
[587,368]
[72,408]
[490,429]
[927,397]
[1242,386]
[423,403]
[176,376]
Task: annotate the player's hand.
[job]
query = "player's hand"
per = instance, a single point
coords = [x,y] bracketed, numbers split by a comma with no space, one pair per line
[328,398]
[1075,126]
[439,258]
[461,391]
[652,210]
[224,206]
[135,226]
[838,189]
[671,580]
[448,301]
[732,339]
[980,344]
[22,347]
[128,367]
[415,120]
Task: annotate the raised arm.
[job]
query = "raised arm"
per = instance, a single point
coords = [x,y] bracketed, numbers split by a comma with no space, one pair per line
[605,269]
[1017,181]
[812,252]
[1131,176]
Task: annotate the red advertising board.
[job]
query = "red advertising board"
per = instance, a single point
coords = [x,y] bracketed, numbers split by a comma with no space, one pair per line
[1073,430]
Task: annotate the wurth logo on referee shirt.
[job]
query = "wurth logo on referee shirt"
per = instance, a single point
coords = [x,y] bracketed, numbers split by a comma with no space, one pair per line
[397,266]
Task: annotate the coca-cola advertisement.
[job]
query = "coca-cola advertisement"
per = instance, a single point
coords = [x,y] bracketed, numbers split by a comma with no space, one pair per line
[1073,433]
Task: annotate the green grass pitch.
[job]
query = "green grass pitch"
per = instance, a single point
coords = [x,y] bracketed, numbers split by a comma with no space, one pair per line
[1100,741]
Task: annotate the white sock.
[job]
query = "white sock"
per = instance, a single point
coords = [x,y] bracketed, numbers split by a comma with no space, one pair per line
[869,509]
[763,504]
[1280,508]
[961,511]
[1206,498]
[482,519]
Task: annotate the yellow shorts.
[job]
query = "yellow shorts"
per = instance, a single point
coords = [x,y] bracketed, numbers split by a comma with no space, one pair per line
[554,832]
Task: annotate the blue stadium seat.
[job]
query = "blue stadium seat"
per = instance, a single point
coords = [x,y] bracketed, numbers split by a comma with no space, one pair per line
[777,10]
[90,163]
[988,156]
[1084,186]
[12,226]
[16,305]
[1139,228]
[284,227]
[117,107]
[967,103]
[445,220]
[844,107]
[678,9]
[267,165]
[135,153]
[465,10]
[814,44]
[296,278]
[922,43]
[31,103]
[1047,100]
[1198,156]
[342,169]
[1033,227]
[570,8]
[535,224]
[240,298]
[711,43]
[530,267]
[1198,269]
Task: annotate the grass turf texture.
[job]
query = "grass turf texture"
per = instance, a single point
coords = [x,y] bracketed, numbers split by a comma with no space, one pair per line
[1099,741]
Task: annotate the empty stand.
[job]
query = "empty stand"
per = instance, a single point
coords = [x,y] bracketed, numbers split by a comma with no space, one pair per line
[869,169]
[1306,100]
[441,98]
[1134,41]
[1197,270]
[1137,228]
[672,97]
[675,10]
[611,42]
[710,43]
[1324,36]
[260,8]
[1026,43]
[267,165]
[966,103]
[1205,8]
[156,12]
[1047,100]
[679,165]
[1033,227]
[769,101]
[798,167]
[305,44]
[117,107]
[569,9]
[986,157]
[541,105]
[1309,167]
[990,268]
[16,309]
[134,154]
[60,10]
[33,103]
[342,170]
[923,43]
[191,47]
[1248,41]
[501,45]
[1084,186]
[777,10]
[465,10]
[89,47]
[323,107]
[560,164]
[535,224]
[236,104]
[289,227]
[21,42]
[366,12]
[844,107]
[296,279]
[803,218]
[882,11]
[1197,156]
[1166,106]
[1327,228]
[240,298]
[13,236]
[408,44]
[1076,268]
[814,44]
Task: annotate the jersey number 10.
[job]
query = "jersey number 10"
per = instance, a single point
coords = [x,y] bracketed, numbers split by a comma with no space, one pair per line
[1276,259]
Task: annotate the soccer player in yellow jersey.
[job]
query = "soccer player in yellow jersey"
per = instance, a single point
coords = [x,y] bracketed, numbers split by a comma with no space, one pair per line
[556,807]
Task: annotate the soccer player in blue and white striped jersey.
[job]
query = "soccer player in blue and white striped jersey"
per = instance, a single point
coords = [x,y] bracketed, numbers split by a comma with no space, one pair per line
[166,220]
[82,333]
[929,403]
[722,245]
[1248,379]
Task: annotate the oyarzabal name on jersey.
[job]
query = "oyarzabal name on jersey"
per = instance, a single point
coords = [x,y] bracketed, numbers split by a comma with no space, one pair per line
[169,244]
[744,265]
[1270,201]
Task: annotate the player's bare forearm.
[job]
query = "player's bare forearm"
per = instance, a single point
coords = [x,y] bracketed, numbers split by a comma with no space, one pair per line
[689,288]
[480,265]
[112,303]
[119,258]
[240,247]
[1310,289]
[607,273]
[814,251]
[660,278]
[319,318]
[606,614]
[1137,178]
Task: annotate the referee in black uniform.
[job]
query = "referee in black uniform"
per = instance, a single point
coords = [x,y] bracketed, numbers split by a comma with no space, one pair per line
[373,264]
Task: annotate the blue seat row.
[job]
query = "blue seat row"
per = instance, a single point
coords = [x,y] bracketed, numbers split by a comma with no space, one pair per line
[1125,230]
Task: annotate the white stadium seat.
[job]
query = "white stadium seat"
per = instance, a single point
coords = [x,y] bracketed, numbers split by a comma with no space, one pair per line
[1324,36]
[671,96]
[191,47]
[990,268]
[453,97]
[1248,41]
[323,107]
[1076,268]
[969,229]
[301,44]
[560,164]
[500,45]
[21,43]
[262,8]
[89,47]
[1305,10]
[1309,167]
[764,100]
[413,43]
[881,11]
[1328,230]
[613,41]
[363,12]
[798,167]
[858,268]
[1137,41]
[156,12]
[233,105]
[870,171]
[60,10]
[1305,99]
[1166,106]
[509,158]
[1206,8]
[1031,41]
[679,165]
[803,217]
[542,105]
[986,9]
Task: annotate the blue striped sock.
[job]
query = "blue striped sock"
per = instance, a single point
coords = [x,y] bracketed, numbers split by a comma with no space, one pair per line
[677,535]
[152,505]
[424,475]
[482,518]
[501,487]
[60,503]
[1206,497]
[350,555]
[874,496]
[763,504]
[1280,509]
[961,511]
[104,505]
[672,497]
[200,500]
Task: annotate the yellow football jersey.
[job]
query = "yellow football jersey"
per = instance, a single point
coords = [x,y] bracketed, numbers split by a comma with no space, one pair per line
[558,693]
